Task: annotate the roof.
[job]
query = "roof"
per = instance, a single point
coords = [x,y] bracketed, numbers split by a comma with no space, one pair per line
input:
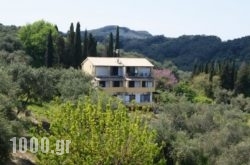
[118,61]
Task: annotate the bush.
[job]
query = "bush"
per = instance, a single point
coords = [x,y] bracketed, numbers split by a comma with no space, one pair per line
[5,135]
[203,133]
[100,135]
[42,84]
[73,84]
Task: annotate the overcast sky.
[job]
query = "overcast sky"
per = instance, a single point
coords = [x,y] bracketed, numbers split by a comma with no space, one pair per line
[227,19]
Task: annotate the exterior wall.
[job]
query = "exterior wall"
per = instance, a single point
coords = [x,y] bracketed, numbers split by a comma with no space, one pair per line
[137,98]
[88,68]
[142,85]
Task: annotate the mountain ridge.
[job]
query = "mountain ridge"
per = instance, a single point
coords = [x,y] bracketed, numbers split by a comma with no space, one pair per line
[183,50]
[124,32]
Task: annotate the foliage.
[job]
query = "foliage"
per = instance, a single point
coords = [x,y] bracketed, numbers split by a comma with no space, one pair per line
[8,38]
[184,89]
[164,78]
[203,134]
[100,135]
[16,57]
[60,50]
[8,91]
[49,54]
[35,84]
[73,84]
[10,126]
[110,48]
[117,42]
[183,51]
[223,75]
[243,80]
[203,86]
[92,43]
[5,135]
[43,84]
[78,47]
[33,37]
[85,44]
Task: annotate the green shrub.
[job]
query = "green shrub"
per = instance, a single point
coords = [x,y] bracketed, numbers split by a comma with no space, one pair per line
[100,135]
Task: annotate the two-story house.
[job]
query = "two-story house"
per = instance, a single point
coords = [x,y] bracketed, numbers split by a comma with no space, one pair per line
[127,78]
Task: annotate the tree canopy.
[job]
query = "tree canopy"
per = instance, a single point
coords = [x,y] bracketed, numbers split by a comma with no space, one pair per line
[33,37]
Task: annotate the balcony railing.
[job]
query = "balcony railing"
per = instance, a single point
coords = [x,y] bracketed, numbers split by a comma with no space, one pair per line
[128,89]
[113,89]
[140,89]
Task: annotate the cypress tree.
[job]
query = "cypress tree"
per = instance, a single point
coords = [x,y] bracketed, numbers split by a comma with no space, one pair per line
[243,80]
[78,47]
[110,51]
[60,50]
[227,75]
[195,69]
[70,46]
[211,71]
[49,55]
[117,42]
[92,46]
[85,45]
[56,28]
[206,68]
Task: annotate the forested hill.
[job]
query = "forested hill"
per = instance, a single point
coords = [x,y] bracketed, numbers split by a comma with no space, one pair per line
[101,34]
[183,51]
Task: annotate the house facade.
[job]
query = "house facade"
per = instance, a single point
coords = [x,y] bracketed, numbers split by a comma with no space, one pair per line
[127,78]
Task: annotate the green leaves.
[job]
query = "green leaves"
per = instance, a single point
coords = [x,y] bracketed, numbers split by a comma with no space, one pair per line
[102,135]
[33,37]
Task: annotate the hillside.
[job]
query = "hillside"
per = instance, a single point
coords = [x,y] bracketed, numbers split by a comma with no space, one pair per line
[183,51]
[56,115]
[125,33]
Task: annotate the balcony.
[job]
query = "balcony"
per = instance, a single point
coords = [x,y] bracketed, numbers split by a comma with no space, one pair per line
[112,90]
[139,89]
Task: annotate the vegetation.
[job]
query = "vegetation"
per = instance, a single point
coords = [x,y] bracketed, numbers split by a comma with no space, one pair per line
[201,117]
[110,49]
[33,37]
[101,132]
[185,50]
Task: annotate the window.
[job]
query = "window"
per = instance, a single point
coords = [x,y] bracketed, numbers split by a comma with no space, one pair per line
[116,84]
[131,97]
[143,71]
[114,71]
[148,84]
[145,97]
[131,84]
[102,83]
[131,71]
[137,84]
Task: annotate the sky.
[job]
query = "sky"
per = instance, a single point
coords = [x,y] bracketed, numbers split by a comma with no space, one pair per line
[227,19]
